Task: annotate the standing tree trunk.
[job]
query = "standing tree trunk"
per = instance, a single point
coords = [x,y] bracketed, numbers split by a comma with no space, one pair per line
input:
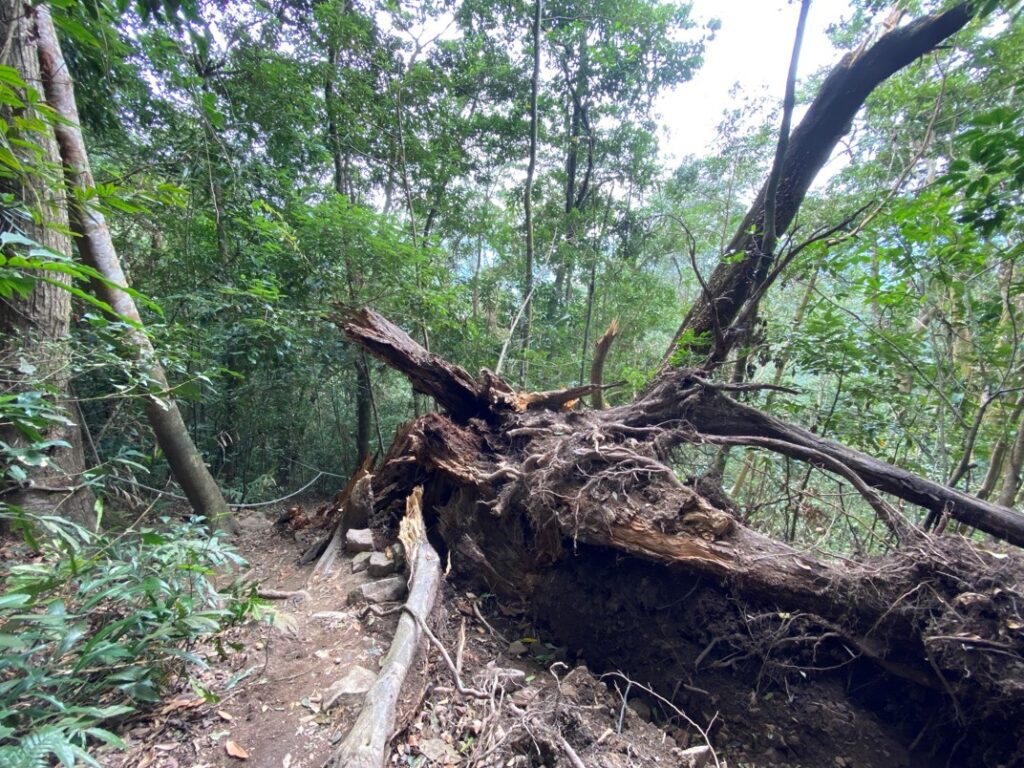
[1011,471]
[97,250]
[35,328]
[364,391]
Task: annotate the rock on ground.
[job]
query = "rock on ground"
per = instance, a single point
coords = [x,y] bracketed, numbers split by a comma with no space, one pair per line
[384,591]
[359,540]
[380,565]
[360,562]
[349,689]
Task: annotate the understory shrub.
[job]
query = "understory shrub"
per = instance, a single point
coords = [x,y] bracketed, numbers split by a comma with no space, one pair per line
[94,626]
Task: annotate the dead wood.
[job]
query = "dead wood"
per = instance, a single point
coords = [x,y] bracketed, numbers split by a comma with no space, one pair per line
[685,400]
[366,744]
[452,387]
[597,366]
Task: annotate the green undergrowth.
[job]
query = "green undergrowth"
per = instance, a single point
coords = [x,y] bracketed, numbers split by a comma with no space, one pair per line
[94,627]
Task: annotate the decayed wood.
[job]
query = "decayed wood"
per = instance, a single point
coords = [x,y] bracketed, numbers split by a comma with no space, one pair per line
[510,526]
[365,746]
[569,510]
[451,386]
[677,407]
[597,365]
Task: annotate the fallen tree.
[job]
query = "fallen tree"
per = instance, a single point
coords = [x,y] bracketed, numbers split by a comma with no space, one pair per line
[580,516]
[366,742]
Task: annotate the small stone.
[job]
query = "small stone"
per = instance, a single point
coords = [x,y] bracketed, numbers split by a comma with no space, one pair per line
[360,562]
[359,540]
[331,615]
[384,591]
[438,751]
[517,648]
[695,757]
[349,689]
[524,696]
[841,762]
[380,565]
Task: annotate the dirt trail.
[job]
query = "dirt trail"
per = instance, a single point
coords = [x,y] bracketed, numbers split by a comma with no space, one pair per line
[274,682]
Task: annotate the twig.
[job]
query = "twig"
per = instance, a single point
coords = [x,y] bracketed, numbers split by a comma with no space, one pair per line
[282,594]
[511,332]
[462,646]
[570,752]
[625,701]
[903,531]
[702,731]
[492,630]
[444,654]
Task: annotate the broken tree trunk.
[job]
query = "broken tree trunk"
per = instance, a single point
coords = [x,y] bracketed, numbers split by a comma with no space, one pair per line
[578,515]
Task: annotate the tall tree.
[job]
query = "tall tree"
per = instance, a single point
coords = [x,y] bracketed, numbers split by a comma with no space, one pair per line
[34,327]
[96,247]
[531,170]
[738,281]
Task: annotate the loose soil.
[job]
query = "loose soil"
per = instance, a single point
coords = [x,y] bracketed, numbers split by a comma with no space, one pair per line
[536,696]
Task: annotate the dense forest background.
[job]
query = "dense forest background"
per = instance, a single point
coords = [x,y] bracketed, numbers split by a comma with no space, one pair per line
[489,176]
[265,165]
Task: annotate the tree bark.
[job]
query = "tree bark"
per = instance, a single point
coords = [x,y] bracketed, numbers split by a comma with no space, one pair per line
[1012,467]
[96,248]
[36,327]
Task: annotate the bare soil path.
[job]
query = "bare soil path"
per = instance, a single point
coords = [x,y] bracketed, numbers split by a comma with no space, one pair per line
[273,683]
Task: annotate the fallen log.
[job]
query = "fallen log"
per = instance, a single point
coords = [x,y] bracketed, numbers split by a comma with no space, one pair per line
[677,405]
[577,515]
[366,744]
